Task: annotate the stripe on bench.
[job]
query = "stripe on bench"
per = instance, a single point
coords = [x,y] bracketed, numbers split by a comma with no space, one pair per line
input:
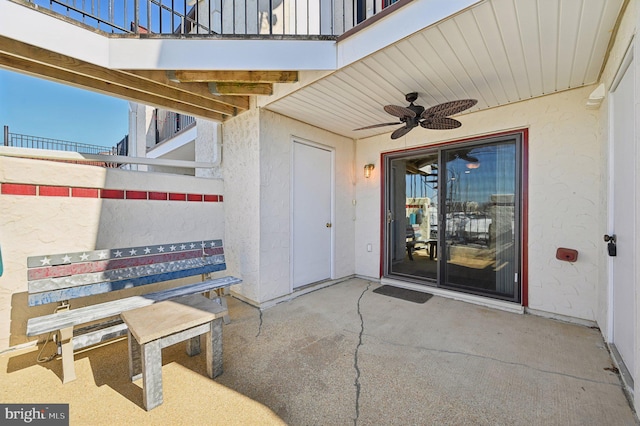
[105,265]
[96,255]
[105,287]
[112,275]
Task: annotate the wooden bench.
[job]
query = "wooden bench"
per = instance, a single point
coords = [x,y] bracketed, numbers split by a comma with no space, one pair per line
[62,277]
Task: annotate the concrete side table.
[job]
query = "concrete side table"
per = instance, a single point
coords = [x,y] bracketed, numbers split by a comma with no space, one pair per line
[163,324]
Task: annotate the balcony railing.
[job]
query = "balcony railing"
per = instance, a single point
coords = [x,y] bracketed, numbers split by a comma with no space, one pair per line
[18,140]
[222,17]
[169,123]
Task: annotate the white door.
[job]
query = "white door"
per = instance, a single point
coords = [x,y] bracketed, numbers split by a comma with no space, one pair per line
[623,216]
[311,215]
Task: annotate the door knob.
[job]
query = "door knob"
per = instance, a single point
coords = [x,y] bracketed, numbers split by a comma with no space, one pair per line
[611,238]
[328,225]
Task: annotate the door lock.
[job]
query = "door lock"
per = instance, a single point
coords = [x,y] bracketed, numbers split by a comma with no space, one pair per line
[328,225]
[611,245]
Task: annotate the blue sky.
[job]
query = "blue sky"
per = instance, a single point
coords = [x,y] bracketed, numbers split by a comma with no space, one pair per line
[38,107]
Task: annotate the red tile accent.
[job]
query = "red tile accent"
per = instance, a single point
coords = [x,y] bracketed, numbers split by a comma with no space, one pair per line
[18,189]
[194,197]
[54,191]
[157,195]
[84,192]
[177,197]
[112,193]
[136,195]
[211,198]
[220,198]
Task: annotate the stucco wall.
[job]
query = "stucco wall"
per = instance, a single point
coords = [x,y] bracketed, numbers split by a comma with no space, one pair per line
[257,172]
[241,169]
[566,185]
[32,225]
[276,138]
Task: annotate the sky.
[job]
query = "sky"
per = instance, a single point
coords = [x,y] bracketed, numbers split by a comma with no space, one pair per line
[38,107]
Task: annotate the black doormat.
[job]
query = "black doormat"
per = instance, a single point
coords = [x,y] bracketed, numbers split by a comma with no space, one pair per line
[403,293]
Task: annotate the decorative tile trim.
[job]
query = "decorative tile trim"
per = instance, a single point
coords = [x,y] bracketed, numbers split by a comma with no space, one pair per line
[114,194]
[53,191]
[18,189]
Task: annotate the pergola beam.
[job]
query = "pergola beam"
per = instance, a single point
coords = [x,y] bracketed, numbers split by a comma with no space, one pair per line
[72,71]
[78,80]
[248,89]
[194,76]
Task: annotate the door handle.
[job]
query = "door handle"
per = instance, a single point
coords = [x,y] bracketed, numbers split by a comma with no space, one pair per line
[611,245]
[328,225]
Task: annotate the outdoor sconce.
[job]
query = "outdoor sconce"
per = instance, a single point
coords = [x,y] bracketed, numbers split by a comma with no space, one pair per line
[367,170]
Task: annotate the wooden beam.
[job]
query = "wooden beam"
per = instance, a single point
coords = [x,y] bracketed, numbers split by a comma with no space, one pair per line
[94,72]
[82,81]
[249,89]
[200,89]
[188,76]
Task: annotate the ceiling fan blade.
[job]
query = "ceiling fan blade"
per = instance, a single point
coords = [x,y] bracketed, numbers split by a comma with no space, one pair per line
[373,126]
[448,108]
[399,111]
[442,123]
[398,133]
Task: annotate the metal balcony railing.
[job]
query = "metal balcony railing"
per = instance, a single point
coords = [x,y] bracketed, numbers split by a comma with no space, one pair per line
[169,123]
[222,17]
[36,142]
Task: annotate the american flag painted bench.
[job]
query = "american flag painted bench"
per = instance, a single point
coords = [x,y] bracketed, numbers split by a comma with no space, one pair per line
[62,277]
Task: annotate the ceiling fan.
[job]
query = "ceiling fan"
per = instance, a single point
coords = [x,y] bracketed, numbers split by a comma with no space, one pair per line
[435,117]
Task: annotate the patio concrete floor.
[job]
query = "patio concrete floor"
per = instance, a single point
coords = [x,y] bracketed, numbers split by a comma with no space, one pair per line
[344,355]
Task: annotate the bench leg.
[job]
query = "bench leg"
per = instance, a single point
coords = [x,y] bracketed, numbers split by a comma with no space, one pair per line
[135,360]
[152,374]
[193,346]
[68,369]
[214,348]
[220,296]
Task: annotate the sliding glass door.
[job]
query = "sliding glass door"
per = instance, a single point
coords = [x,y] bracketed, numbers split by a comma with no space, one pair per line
[453,217]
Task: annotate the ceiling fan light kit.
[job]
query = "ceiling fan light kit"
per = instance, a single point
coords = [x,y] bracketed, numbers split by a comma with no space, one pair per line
[435,117]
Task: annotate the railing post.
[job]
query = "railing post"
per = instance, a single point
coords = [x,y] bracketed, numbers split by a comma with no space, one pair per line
[6,135]
[136,16]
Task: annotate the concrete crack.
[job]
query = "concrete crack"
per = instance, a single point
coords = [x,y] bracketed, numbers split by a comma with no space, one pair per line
[489,358]
[355,357]
[260,324]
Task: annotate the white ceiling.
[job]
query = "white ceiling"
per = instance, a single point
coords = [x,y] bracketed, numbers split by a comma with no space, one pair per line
[497,51]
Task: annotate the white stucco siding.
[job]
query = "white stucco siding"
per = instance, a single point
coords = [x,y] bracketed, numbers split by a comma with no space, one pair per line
[276,135]
[566,186]
[241,169]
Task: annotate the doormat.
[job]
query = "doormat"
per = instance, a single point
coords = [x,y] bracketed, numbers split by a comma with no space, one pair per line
[403,293]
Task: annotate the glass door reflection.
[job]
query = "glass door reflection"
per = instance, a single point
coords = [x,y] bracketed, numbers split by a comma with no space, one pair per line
[480,239]
[413,216]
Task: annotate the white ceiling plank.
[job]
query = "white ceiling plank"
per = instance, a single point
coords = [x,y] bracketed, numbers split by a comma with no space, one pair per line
[527,17]
[468,26]
[506,18]
[498,51]
[548,21]
[590,18]
[478,88]
[569,28]
[493,39]
[433,83]
[327,100]
[605,29]
[415,79]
